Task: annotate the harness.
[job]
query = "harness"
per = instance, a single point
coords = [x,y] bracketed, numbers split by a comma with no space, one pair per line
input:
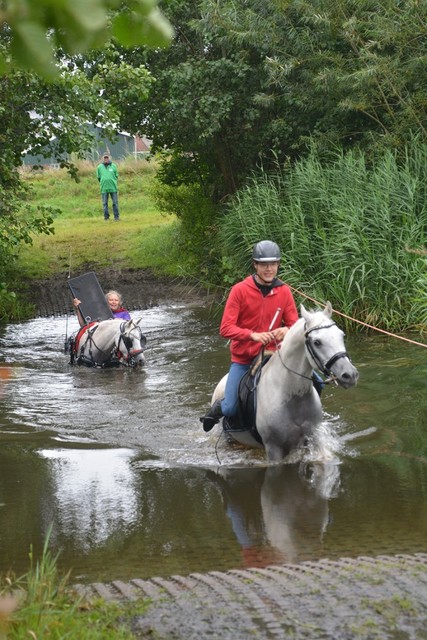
[245,418]
[115,357]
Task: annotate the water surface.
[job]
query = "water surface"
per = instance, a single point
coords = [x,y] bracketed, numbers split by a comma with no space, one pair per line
[116,463]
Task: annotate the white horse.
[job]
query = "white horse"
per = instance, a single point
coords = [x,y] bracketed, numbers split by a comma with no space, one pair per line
[288,408]
[109,343]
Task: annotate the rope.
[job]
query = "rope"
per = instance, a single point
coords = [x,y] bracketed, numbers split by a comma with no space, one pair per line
[364,324]
[216,447]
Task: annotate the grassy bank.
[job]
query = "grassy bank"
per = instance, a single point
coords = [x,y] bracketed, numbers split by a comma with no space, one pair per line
[350,231]
[41,605]
[142,238]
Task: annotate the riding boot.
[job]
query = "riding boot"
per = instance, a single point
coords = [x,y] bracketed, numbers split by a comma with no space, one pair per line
[213,416]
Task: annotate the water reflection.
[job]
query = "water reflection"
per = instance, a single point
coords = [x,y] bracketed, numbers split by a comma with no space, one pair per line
[279,513]
[91,493]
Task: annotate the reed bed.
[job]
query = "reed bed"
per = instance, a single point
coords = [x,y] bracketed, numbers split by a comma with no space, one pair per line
[351,233]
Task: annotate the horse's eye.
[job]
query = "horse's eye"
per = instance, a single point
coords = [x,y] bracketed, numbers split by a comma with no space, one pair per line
[317,343]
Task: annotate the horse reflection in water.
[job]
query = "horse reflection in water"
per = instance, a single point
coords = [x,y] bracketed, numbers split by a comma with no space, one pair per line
[278,513]
[288,408]
[109,343]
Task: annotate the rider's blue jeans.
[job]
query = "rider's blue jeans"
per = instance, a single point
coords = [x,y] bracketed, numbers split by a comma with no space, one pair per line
[115,200]
[229,404]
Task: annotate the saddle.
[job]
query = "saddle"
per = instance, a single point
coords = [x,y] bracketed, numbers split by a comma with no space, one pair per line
[245,418]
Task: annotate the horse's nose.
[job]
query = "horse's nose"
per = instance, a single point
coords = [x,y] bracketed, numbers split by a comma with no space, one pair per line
[137,357]
[350,377]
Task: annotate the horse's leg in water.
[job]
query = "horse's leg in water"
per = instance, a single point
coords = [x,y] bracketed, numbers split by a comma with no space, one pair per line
[276,452]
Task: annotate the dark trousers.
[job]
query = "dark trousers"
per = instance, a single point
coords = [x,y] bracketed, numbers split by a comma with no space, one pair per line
[115,200]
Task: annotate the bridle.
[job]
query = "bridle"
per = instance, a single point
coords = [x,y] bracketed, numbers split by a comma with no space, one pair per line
[129,359]
[324,368]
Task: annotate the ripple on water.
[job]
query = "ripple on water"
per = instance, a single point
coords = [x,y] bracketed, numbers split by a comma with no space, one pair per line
[118,461]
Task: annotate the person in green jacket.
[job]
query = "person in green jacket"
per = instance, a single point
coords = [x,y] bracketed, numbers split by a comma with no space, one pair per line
[108,175]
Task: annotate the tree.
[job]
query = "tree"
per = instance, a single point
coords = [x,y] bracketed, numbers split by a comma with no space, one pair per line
[248,83]
[203,106]
[357,69]
[38,28]
[45,104]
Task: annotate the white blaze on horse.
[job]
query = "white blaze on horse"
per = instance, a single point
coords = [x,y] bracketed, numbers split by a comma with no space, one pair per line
[288,408]
[109,343]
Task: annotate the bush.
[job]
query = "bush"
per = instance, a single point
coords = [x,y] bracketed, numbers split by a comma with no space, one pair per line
[197,232]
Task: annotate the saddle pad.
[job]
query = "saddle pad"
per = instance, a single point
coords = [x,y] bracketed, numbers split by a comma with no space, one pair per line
[94,307]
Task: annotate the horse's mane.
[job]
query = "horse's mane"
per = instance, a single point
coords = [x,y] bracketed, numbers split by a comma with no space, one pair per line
[295,328]
[316,317]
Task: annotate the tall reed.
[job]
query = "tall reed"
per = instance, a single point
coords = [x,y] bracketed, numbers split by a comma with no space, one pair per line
[347,231]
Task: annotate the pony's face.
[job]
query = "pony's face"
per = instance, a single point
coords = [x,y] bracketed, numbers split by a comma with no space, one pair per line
[325,347]
[132,343]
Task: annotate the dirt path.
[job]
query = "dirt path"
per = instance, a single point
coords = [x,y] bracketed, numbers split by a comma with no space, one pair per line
[351,598]
[140,288]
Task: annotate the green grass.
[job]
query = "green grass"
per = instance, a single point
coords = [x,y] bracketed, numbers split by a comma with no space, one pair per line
[41,605]
[350,231]
[143,238]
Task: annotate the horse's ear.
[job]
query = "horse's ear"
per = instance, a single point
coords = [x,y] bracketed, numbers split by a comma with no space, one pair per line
[304,312]
[328,309]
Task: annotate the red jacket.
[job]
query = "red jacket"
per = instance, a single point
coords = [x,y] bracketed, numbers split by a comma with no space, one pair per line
[247,310]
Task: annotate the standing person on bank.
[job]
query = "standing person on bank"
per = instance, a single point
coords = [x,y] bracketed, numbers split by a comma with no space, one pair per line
[108,176]
[258,313]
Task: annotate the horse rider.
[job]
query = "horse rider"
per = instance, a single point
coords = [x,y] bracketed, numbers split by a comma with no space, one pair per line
[258,313]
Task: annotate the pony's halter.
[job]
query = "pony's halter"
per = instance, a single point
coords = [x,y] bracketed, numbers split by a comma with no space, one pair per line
[325,368]
[127,341]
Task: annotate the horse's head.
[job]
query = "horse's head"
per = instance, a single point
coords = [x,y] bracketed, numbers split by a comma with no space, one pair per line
[325,347]
[131,343]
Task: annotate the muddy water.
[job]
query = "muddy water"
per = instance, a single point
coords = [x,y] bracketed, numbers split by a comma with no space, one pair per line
[115,461]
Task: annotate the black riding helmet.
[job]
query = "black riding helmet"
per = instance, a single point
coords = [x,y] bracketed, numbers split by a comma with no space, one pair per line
[266,251]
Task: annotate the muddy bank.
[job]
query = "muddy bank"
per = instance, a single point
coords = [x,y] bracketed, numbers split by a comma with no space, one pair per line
[140,288]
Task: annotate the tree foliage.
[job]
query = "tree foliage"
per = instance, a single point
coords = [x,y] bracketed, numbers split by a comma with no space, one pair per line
[38,28]
[248,83]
